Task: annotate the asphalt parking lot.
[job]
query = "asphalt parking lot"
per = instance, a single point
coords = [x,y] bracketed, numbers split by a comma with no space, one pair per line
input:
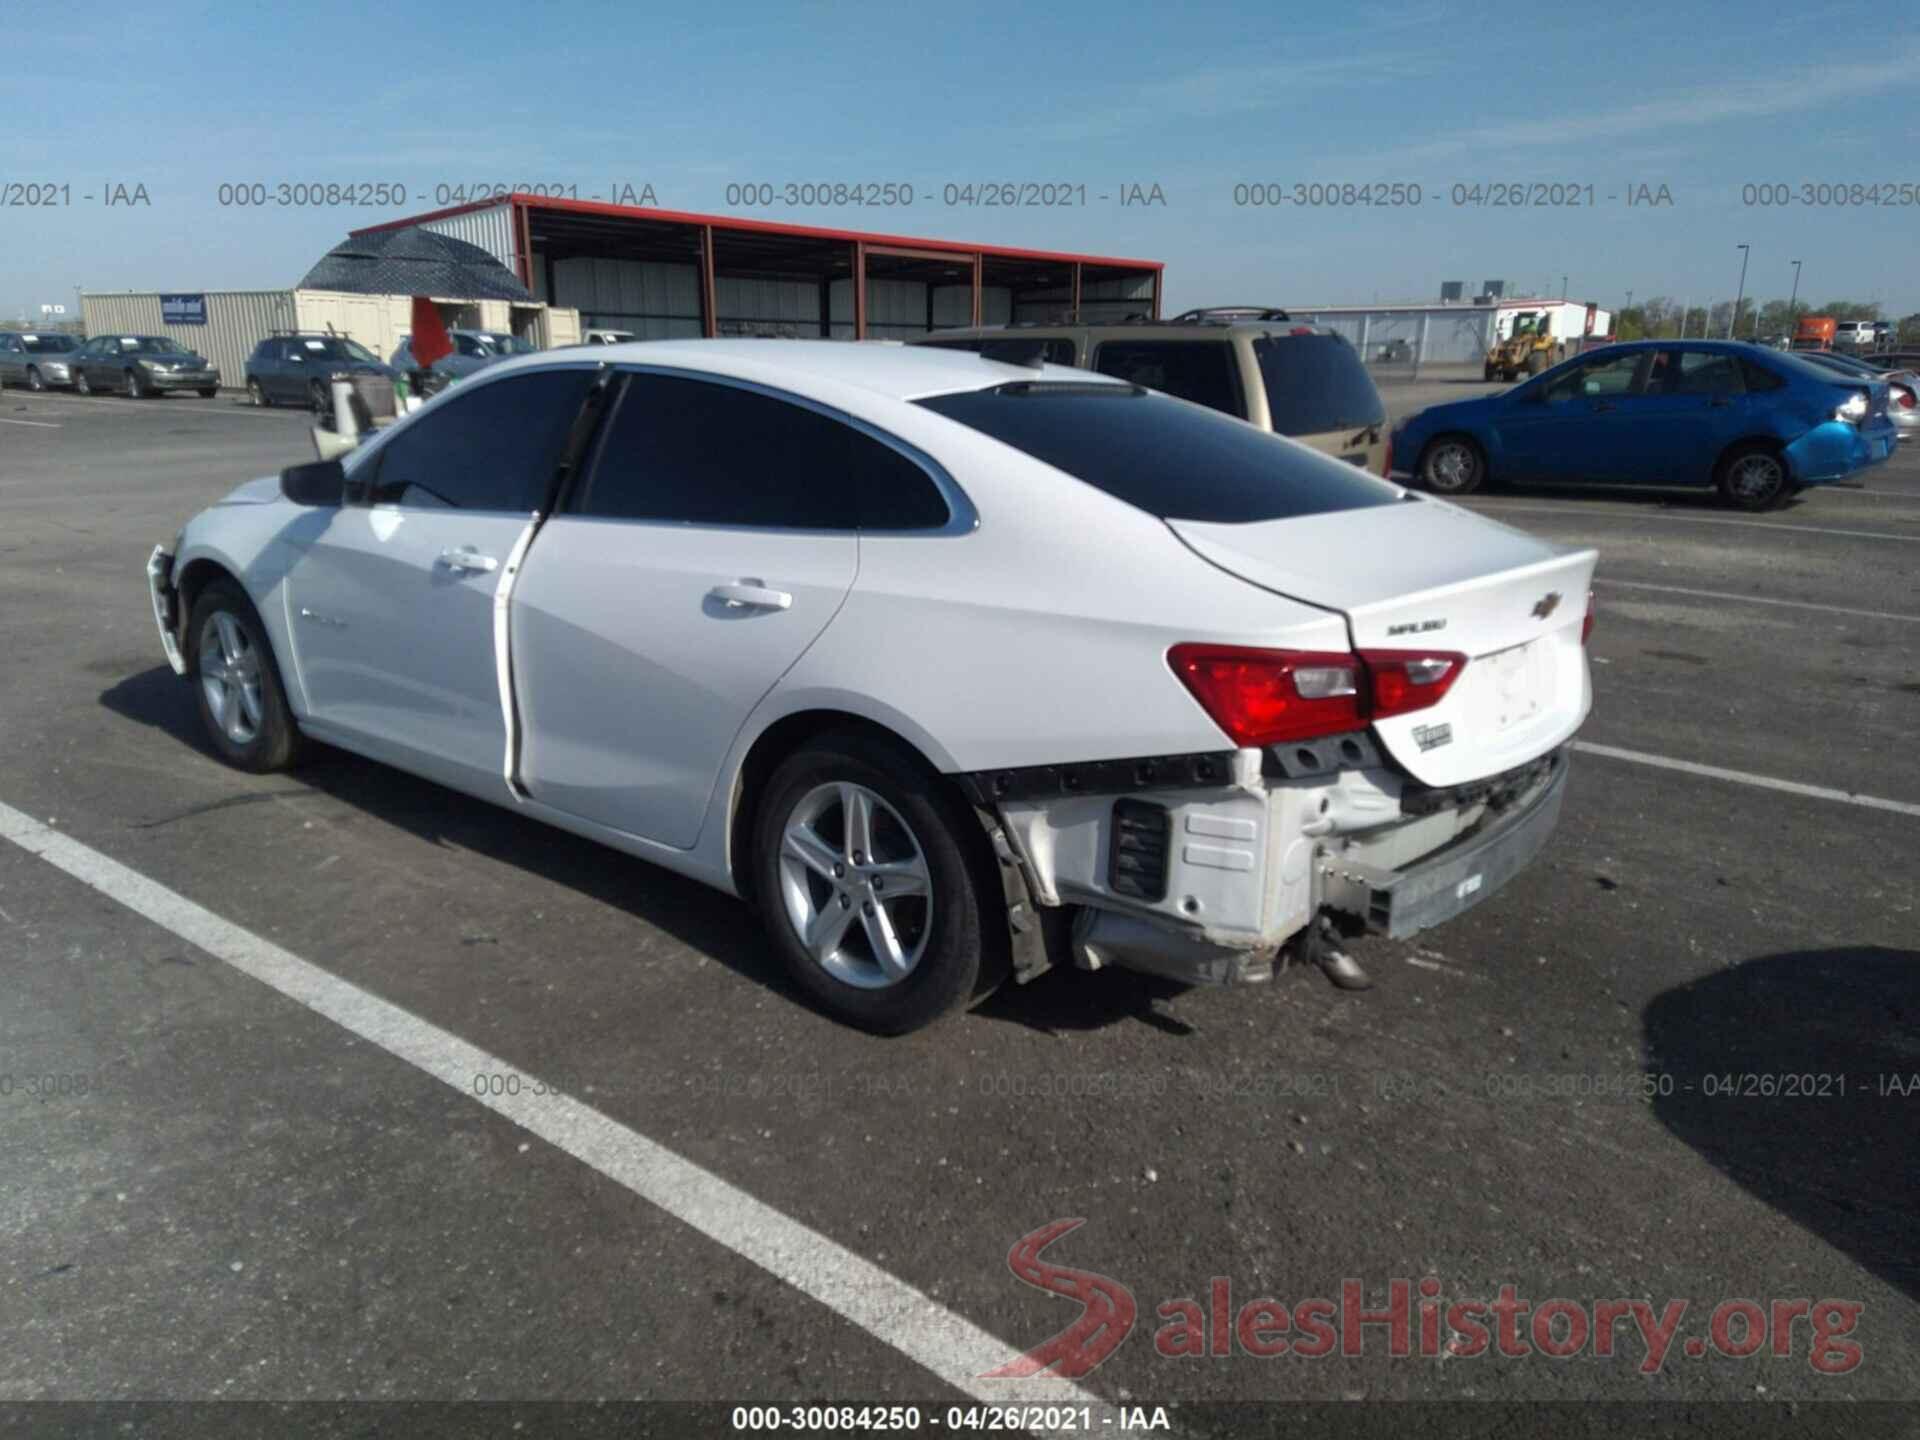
[217,1191]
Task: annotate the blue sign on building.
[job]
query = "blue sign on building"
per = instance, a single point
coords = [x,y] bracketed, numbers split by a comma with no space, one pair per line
[183,309]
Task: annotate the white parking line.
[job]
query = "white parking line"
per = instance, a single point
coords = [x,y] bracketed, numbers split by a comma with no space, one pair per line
[37,424]
[1587,512]
[1743,777]
[957,1351]
[159,405]
[1756,600]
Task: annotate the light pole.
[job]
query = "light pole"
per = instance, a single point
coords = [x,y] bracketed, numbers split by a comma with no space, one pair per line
[1792,319]
[1734,317]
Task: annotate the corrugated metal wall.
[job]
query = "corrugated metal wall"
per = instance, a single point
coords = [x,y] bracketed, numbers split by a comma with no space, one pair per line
[655,301]
[237,320]
[491,229]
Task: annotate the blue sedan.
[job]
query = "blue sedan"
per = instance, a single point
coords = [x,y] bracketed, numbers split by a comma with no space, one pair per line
[1759,424]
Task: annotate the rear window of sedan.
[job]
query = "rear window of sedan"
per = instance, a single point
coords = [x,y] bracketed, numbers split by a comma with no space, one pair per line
[1174,460]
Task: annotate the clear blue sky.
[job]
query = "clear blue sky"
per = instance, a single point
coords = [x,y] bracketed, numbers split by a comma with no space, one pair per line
[1702,98]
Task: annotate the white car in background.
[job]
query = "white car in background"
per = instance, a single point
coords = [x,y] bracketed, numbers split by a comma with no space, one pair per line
[955,668]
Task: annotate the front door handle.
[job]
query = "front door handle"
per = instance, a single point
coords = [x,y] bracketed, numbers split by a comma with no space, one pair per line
[1602,406]
[467,558]
[750,595]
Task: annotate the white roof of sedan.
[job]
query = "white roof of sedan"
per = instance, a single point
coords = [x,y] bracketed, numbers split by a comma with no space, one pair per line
[899,372]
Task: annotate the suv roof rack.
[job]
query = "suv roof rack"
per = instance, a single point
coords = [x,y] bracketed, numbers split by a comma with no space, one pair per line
[1228,314]
[330,331]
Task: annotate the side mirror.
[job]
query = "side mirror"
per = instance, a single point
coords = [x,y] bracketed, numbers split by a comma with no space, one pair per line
[318,483]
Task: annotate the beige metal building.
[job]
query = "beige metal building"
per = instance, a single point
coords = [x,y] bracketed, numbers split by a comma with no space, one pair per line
[237,320]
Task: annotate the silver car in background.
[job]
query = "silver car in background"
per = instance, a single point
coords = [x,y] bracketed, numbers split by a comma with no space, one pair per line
[472,350]
[37,361]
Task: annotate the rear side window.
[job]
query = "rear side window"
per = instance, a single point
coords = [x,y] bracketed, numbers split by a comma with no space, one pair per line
[488,446]
[1170,460]
[1702,372]
[700,453]
[1758,377]
[1200,371]
[1315,384]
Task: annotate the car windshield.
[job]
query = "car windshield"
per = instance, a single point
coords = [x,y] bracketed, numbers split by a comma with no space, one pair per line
[153,345]
[336,347]
[1171,458]
[1316,384]
[47,344]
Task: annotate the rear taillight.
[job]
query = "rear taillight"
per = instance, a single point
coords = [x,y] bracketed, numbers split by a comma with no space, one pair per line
[1586,625]
[1903,397]
[1264,697]
[1386,468]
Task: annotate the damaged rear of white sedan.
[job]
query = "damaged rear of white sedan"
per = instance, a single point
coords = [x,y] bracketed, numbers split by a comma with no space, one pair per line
[957,670]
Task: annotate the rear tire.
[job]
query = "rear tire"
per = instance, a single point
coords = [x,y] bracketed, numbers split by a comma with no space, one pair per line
[1453,465]
[256,396]
[320,402]
[912,883]
[236,682]
[1753,477]
[207,392]
[1536,362]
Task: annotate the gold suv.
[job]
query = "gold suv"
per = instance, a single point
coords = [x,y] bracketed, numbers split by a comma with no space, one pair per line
[1256,364]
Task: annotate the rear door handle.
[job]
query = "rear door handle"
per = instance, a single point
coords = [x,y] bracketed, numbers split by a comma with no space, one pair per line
[467,558]
[750,595]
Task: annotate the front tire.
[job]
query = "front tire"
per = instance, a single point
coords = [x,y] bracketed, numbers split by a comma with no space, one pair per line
[34,382]
[1453,465]
[136,387]
[871,880]
[237,683]
[1754,477]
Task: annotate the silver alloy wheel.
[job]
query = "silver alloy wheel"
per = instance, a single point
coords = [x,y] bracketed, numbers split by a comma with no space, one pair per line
[847,856]
[255,395]
[1452,466]
[34,382]
[230,677]
[1755,476]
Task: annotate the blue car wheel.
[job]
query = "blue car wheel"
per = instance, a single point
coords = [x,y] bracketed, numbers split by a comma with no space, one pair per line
[1452,465]
[1754,477]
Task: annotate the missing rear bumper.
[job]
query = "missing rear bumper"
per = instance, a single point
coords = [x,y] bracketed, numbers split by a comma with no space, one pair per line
[1403,902]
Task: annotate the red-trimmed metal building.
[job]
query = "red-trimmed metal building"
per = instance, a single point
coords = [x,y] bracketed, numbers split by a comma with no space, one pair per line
[668,273]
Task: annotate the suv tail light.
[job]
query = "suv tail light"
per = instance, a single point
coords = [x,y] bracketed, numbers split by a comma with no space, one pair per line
[1386,468]
[1586,625]
[1264,697]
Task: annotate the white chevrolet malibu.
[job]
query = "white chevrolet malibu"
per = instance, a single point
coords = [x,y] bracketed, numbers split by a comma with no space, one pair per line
[956,669]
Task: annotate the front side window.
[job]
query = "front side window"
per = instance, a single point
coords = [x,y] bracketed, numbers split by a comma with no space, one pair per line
[694,452]
[1598,378]
[1200,371]
[491,447]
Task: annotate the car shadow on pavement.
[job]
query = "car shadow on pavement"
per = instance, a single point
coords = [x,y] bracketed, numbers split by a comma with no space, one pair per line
[1798,1076]
[716,925]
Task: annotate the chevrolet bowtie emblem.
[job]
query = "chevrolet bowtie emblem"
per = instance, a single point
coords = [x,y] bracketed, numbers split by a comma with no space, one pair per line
[1546,605]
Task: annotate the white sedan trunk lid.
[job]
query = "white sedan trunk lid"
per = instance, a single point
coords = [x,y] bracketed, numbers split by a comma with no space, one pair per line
[1428,575]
